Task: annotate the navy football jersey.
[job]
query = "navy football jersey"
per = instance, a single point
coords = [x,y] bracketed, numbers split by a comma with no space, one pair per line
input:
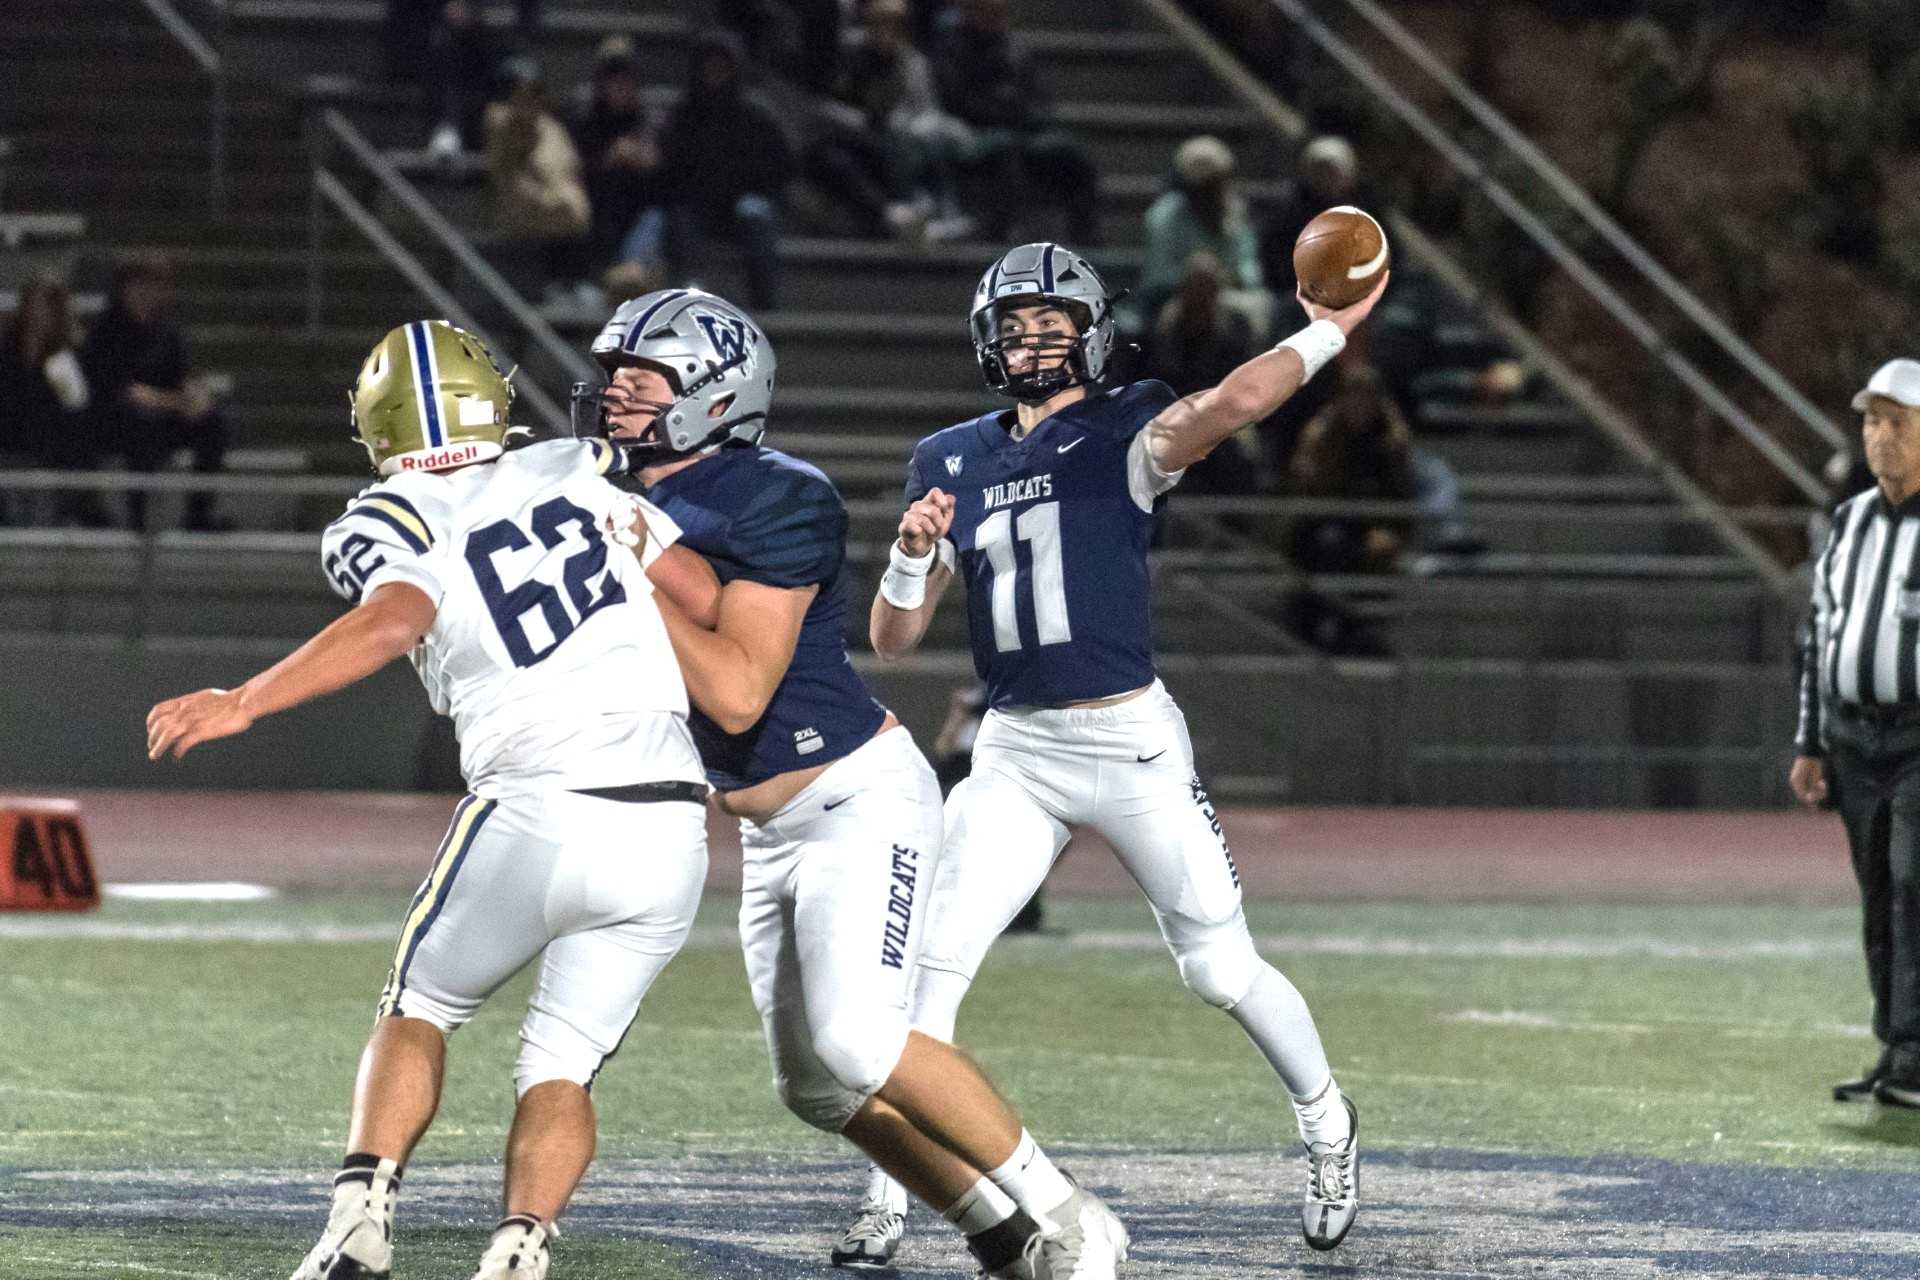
[756,513]
[1051,537]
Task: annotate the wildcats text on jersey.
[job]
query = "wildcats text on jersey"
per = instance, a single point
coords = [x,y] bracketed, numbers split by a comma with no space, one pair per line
[899,924]
[1021,490]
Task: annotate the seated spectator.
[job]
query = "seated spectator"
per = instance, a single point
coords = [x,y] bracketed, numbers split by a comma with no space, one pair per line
[727,163]
[1357,447]
[990,83]
[1194,343]
[44,394]
[620,148]
[145,403]
[1327,174]
[1202,211]
[539,198]
[796,39]
[447,46]
[896,157]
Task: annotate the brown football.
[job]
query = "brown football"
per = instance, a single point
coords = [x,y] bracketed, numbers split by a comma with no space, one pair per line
[1339,256]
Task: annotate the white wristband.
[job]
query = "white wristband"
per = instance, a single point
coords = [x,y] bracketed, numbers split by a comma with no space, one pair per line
[904,584]
[1316,344]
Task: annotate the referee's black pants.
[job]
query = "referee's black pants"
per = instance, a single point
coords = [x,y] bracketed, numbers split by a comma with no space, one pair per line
[1875,774]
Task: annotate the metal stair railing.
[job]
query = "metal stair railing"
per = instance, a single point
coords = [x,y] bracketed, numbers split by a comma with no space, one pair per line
[1419,247]
[1577,199]
[1475,172]
[333,134]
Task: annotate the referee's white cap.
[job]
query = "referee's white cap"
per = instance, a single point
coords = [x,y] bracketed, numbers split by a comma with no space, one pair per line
[1897,380]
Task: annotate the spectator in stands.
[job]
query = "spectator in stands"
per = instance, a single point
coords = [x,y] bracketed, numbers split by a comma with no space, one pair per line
[727,165]
[797,39]
[145,403]
[44,394]
[1358,447]
[1327,174]
[539,197]
[462,74]
[1195,341]
[620,147]
[904,163]
[988,81]
[1202,211]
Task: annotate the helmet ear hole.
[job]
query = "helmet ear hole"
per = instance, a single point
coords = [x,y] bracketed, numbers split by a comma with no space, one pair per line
[722,405]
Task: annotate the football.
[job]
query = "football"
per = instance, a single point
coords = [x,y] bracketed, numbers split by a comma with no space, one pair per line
[1339,256]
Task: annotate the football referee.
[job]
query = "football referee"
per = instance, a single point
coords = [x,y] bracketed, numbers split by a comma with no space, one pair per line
[1859,729]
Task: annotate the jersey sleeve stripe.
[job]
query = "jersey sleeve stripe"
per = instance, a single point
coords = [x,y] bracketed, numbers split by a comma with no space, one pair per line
[604,455]
[411,530]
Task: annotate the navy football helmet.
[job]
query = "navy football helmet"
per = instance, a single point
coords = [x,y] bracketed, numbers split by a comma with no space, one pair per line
[718,362]
[1033,274]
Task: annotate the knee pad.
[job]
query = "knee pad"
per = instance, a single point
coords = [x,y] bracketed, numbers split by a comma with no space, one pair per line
[861,1052]
[820,1102]
[1221,967]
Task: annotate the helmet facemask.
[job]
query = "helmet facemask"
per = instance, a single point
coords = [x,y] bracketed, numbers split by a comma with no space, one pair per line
[595,408]
[1058,360]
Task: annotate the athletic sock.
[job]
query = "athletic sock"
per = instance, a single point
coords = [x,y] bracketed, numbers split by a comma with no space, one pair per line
[361,1176]
[1323,1117]
[1276,1019]
[1031,1180]
[884,1191]
[997,1230]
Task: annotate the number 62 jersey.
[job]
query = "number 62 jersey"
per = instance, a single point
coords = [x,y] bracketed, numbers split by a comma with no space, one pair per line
[1050,535]
[546,647]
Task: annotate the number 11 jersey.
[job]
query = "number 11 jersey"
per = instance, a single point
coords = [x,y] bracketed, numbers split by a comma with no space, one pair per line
[546,647]
[1050,535]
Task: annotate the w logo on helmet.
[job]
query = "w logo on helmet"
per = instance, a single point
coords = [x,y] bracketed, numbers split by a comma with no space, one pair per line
[731,336]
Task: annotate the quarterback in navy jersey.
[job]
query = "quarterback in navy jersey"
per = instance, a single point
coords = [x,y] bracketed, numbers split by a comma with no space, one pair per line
[840,814]
[1045,512]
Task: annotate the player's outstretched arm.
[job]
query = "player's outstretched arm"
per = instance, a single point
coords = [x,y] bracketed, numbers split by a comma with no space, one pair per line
[915,579]
[679,573]
[390,622]
[1190,428]
[733,669]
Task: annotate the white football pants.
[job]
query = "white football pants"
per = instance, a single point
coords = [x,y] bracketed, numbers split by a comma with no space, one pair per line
[830,921]
[603,891]
[1125,771]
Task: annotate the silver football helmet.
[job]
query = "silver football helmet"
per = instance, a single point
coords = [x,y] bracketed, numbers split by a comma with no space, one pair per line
[1037,273]
[718,362]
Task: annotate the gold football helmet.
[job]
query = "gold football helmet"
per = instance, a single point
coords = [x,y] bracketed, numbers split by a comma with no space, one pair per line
[430,397]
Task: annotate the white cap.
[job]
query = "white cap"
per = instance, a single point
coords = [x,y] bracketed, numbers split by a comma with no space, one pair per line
[1897,380]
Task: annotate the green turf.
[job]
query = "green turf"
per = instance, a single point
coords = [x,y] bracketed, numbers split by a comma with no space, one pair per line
[168,1250]
[171,1054]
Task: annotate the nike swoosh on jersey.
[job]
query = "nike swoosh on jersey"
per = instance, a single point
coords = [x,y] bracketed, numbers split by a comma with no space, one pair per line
[829,808]
[1140,759]
[1063,448]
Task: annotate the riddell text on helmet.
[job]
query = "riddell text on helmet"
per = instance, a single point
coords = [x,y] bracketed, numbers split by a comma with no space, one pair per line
[452,456]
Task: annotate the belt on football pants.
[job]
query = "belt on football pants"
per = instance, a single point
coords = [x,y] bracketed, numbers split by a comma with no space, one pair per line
[650,792]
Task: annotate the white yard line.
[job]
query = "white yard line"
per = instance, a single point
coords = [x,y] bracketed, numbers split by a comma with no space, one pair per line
[1569,947]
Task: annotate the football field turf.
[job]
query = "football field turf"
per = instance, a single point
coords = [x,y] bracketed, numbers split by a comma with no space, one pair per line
[1553,1089]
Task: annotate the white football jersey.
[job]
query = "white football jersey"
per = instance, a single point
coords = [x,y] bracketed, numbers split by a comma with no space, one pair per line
[547,649]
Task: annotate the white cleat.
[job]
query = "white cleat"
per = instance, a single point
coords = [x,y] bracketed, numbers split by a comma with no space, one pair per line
[358,1241]
[1333,1186]
[519,1250]
[1090,1243]
[872,1240]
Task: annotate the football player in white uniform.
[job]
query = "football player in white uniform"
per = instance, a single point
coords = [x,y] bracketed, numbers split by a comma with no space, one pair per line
[583,840]
[1046,519]
[839,812]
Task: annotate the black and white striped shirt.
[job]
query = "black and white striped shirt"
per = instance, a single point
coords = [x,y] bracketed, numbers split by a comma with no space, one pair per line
[1862,646]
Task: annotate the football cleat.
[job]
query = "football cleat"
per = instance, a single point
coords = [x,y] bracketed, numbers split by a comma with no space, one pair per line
[1089,1242]
[358,1241]
[1025,1267]
[519,1250]
[872,1240]
[1899,1084]
[1333,1186]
